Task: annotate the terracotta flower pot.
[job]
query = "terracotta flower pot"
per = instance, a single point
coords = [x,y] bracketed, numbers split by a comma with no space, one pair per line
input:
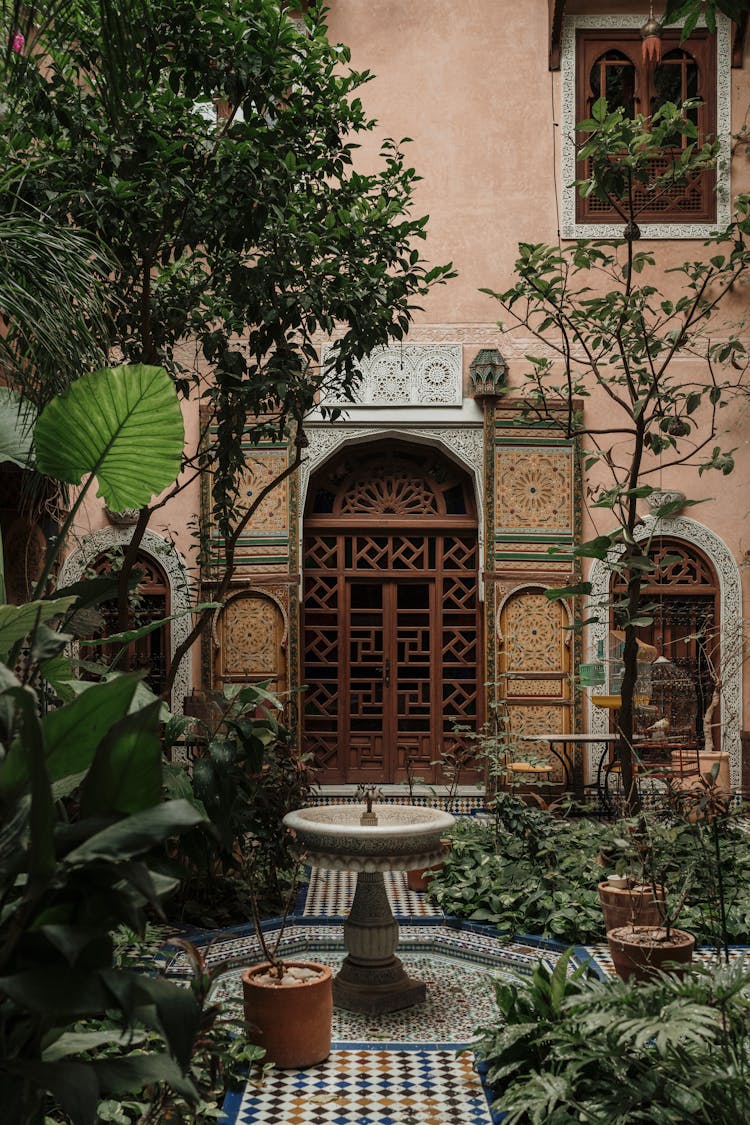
[642,951]
[291,1020]
[419,879]
[631,904]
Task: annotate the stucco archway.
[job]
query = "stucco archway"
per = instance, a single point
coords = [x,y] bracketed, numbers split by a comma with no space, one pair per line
[730,602]
[462,444]
[173,565]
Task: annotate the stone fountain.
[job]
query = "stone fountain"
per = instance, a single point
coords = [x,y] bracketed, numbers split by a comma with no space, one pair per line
[372,979]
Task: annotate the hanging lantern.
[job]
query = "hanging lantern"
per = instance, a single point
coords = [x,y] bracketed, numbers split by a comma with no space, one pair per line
[651,33]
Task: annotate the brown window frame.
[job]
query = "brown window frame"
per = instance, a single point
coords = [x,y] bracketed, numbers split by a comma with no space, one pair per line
[591,45]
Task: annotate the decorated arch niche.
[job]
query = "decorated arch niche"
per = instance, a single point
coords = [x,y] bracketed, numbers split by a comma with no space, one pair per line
[697,625]
[174,573]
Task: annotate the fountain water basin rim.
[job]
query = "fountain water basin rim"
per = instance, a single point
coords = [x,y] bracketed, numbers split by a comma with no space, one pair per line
[406,836]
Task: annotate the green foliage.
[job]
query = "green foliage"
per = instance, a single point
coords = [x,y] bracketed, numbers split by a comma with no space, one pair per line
[16,428]
[69,876]
[569,1050]
[534,873]
[247,775]
[123,426]
[249,236]
[51,294]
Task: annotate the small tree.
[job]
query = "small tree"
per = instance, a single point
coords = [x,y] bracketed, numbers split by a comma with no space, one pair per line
[656,360]
[210,146]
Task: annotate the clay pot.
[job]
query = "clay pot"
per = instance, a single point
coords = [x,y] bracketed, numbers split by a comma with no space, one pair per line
[292,1021]
[419,879]
[642,951]
[635,904]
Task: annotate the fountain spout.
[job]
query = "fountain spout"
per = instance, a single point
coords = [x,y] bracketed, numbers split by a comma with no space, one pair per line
[368,794]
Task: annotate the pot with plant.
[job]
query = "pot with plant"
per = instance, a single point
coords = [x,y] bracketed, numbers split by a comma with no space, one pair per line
[288,1004]
[648,942]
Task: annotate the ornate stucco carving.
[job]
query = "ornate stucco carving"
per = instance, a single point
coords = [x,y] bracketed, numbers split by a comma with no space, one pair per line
[730,594]
[173,565]
[411,375]
[569,227]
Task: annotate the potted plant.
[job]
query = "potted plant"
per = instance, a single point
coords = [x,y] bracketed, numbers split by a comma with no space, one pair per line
[647,941]
[630,902]
[288,1004]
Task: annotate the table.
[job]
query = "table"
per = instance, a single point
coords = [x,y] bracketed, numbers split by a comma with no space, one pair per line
[565,740]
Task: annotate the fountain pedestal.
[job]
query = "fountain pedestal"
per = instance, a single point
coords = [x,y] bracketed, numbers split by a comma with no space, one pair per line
[372,978]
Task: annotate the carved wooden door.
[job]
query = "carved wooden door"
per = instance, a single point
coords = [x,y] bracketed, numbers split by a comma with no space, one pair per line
[391,619]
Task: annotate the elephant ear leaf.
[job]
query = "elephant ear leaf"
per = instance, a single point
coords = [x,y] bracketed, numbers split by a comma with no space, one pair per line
[123,425]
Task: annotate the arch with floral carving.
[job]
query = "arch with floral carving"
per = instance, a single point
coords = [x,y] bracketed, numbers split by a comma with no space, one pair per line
[164,553]
[730,609]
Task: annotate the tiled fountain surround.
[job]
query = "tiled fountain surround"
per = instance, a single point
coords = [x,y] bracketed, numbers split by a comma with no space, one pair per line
[406,1068]
[401,1069]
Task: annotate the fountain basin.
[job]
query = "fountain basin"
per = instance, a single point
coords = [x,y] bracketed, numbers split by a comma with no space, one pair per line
[372,978]
[405,837]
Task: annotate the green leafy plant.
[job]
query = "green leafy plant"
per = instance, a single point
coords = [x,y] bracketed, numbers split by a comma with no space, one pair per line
[532,872]
[575,1049]
[66,883]
[247,774]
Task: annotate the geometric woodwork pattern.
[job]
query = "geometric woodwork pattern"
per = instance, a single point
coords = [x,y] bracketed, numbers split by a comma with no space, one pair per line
[532,633]
[260,469]
[680,529]
[534,490]
[684,567]
[534,664]
[391,618]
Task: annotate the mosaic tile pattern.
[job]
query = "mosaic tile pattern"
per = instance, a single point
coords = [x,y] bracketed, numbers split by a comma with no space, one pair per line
[370,1087]
[459,999]
[704,956]
[330,893]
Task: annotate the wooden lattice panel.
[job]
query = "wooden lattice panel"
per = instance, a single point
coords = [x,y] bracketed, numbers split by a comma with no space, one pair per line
[391,617]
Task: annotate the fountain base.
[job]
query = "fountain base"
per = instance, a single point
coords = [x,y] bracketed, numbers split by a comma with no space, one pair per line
[372,979]
[376,989]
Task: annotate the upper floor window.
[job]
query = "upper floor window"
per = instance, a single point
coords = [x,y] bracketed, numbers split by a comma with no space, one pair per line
[602,57]
[611,66]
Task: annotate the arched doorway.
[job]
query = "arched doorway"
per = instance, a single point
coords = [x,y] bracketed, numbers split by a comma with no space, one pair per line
[391,625]
[149,653]
[681,597]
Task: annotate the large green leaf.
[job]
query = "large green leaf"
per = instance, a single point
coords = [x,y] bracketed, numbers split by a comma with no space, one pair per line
[16,428]
[122,424]
[125,776]
[136,834]
[17,621]
[71,733]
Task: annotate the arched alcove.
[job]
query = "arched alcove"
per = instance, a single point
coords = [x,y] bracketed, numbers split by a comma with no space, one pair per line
[730,613]
[93,546]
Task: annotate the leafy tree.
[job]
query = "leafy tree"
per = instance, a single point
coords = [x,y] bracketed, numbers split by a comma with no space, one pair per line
[240,241]
[603,308]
